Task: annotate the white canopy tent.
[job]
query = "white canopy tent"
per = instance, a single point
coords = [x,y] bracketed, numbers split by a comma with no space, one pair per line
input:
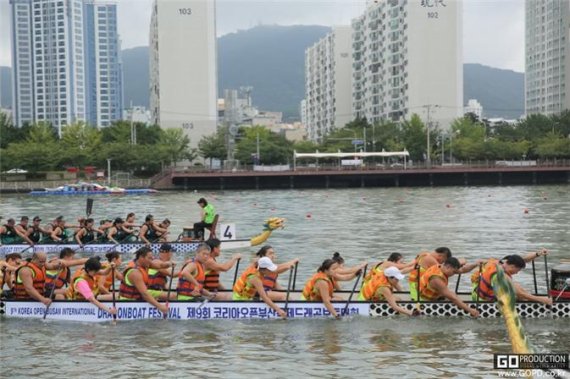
[353,155]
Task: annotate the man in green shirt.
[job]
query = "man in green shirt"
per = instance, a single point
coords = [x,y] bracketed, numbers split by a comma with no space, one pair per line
[208,215]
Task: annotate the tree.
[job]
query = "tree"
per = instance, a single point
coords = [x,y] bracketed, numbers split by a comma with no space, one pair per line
[414,137]
[38,152]
[214,146]
[274,148]
[80,145]
[553,145]
[174,146]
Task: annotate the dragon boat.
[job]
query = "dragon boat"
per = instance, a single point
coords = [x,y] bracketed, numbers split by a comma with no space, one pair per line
[182,247]
[83,311]
[246,310]
[90,189]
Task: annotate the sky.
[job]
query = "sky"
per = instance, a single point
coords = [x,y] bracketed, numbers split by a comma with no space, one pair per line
[493,30]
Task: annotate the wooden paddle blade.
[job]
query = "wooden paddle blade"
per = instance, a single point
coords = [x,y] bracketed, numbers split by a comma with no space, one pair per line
[89,207]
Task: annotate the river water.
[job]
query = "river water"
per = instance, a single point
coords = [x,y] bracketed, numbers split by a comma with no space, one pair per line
[362,224]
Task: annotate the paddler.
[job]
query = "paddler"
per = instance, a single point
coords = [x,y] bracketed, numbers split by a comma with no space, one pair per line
[193,275]
[10,234]
[58,233]
[424,261]
[85,285]
[159,273]
[512,264]
[35,232]
[116,233]
[322,284]
[380,287]
[22,231]
[7,269]
[394,260]
[135,280]
[250,284]
[106,281]
[31,277]
[88,233]
[433,285]
[342,270]
[274,290]
[213,268]
[62,275]
[149,231]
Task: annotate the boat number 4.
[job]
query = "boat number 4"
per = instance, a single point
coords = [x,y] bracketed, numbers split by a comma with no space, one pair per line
[228,231]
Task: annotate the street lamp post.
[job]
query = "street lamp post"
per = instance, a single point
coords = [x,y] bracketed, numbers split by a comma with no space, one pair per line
[109,171]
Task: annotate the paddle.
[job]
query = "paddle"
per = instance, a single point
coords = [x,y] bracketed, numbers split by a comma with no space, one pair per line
[478,284]
[534,278]
[51,294]
[236,273]
[289,288]
[89,207]
[113,288]
[169,288]
[295,277]
[345,312]
[566,284]
[207,300]
[546,274]
[457,284]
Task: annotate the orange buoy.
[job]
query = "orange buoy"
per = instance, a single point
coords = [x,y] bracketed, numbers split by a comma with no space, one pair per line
[526,210]
[448,205]
[309,215]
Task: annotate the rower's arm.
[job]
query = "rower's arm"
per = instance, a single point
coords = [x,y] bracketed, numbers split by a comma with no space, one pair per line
[136,278]
[142,233]
[323,289]
[256,282]
[392,301]
[187,274]
[535,254]
[470,266]
[23,234]
[78,236]
[226,266]
[28,281]
[159,228]
[55,264]
[281,268]
[440,286]
[523,294]
[54,235]
[111,233]
[73,262]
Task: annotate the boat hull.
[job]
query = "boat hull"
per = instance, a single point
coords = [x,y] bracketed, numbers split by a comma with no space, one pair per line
[102,192]
[125,248]
[242,310]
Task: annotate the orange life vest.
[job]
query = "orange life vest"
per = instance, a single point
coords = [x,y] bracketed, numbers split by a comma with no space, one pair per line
[269,281]
[129,291]
[427,292]
[156,280]
[108,278]
[73,294]
[57,278]
[212,280]
[413,277]
[39,279]
[185,288]
[484,286]
[242,287]
[376,270]
[369,290]
[309,292]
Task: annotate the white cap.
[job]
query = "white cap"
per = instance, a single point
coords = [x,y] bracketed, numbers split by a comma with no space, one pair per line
[393,272]
[266,262]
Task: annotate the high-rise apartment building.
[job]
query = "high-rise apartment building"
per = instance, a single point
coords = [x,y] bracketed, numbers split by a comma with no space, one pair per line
[51,46]
[103,65]
[183,66]
[407,58]
[547,74]
[328,83]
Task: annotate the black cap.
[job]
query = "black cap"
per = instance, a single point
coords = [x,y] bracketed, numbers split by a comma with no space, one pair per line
[119,220]
[24,218]
[37,218]
[202,201]
[59,218]
[166,247]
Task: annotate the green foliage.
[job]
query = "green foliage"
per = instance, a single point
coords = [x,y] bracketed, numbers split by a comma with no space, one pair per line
[273,148]
[214,146]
